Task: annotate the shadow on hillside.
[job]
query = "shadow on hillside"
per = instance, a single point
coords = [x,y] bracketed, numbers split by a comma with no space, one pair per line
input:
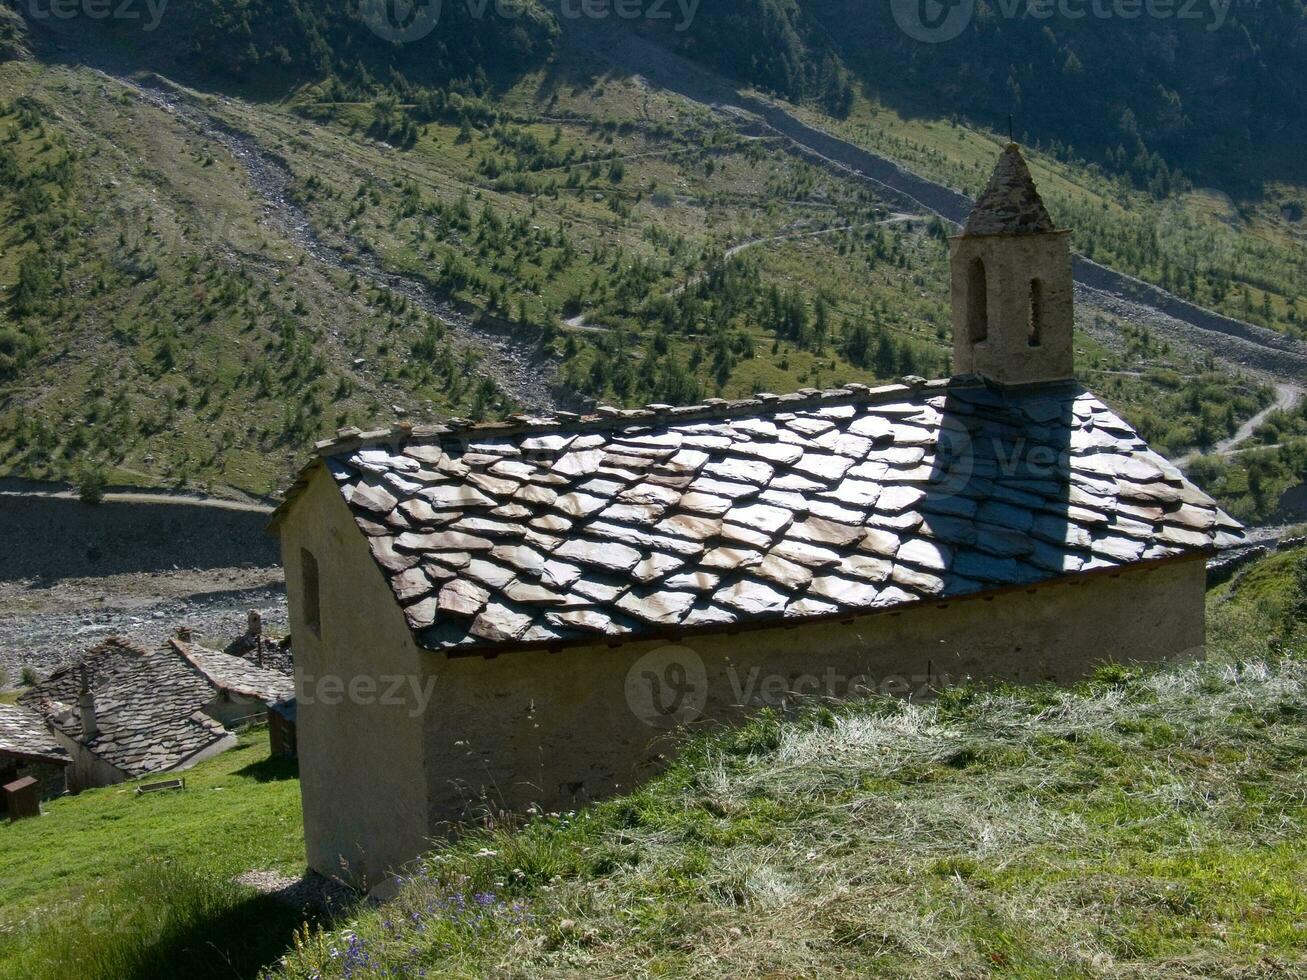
[273,769]
[243,940]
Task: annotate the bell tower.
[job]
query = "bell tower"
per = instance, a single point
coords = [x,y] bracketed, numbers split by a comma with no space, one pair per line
[1011,283]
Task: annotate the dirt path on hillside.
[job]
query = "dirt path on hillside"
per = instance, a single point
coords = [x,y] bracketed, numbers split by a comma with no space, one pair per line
[518,369]
[1244,344]
[1286,397]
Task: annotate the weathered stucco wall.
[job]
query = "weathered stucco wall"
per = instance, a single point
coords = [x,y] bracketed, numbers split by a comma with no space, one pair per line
[361,774]
[558,729]
[87,771]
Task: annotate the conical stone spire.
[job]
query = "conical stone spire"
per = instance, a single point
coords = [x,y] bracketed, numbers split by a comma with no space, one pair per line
[1010,205]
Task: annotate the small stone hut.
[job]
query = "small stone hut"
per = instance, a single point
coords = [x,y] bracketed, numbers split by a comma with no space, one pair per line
[27,748]
[492,616]
[123,711]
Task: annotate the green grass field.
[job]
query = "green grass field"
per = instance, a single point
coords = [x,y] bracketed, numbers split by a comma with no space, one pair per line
[111,884]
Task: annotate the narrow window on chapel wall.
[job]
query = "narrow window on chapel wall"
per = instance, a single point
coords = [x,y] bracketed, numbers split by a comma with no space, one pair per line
[309,589]
[1036,312]
[977,302]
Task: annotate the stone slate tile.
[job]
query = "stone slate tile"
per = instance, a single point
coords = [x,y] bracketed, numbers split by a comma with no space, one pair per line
[579,504]
[383,550]
[607,556]
[795,483]
[784,573]
[879,541]
[904,521]
[1005,515]
[821,531]
[708,614]
[987,568]
[1002,541]
[828,510]
[753,597]
[1117,548]
[775,453]
[500,622]
[686,525]
[694,581]
[737,534]
[659,607]
[896,499]
[847,593]
[411,584]
[917,580]
[763,517]
[931,555]
[824,467]
[658,565]
[732,490]
[866,567]
[377,500]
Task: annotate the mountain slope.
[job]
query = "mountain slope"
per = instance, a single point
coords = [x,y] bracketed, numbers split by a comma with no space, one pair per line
[1143,824]
[1209,90]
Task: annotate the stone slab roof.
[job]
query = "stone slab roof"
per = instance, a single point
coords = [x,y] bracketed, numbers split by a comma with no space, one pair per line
[1010,203]
[104,660]
[23,732]
[147,712]
[236,674]
[670,521]
[149,703]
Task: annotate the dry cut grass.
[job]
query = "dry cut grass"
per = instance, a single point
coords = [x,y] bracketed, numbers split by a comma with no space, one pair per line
[1145,824]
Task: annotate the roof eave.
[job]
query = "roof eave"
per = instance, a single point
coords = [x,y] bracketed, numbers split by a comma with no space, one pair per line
[678,633]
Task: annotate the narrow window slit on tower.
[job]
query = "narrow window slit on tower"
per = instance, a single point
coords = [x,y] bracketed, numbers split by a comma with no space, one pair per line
[977,302]
[1036,312]
[309,581]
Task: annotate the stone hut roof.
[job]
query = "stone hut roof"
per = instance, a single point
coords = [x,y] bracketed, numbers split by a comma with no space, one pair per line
[1010,204]
[149,703]
[236,674]
[103,661]
[732,515]
[23,733]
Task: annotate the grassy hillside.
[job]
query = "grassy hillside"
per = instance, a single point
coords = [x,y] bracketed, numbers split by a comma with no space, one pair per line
[162,327]
[170,317]
[156,326]
[1243,256]
[1140,824]
[1147,822]
[109,884]
[1137,93]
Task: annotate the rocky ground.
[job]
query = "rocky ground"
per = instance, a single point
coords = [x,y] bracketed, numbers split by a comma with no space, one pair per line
[44,623]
